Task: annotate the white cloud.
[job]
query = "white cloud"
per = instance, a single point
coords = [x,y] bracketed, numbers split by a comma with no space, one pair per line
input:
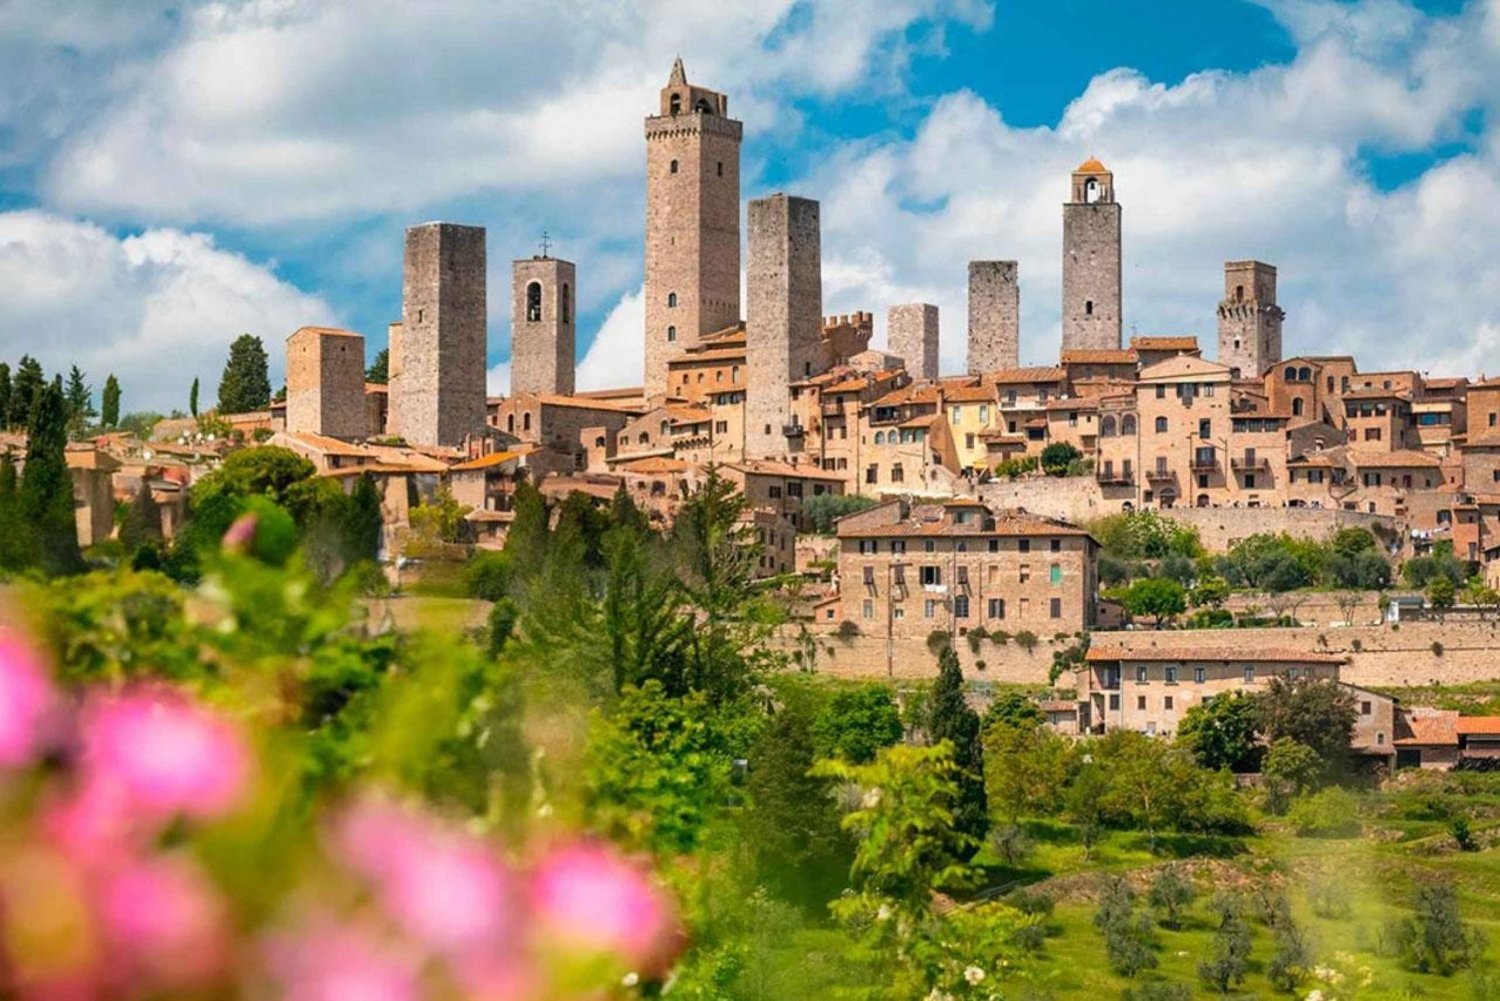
[497,379]
[268,110]
[157,309]
[616,355]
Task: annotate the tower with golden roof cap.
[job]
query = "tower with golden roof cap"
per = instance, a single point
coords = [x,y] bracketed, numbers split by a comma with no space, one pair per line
[1091,260]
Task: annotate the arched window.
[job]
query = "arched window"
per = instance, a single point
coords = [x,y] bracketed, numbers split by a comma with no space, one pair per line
[526,421]
[1291,373]
[1203,500]
[1161,425]
[673,167]
[666,426]
[533,302]
[671,300]
[1091,190]
[1107,426]
[510,423]
[1304,374]
[565,304]
[1127,424]
[672,336]
[880,437]
[734,373]
[1297,407]
[1088,307]
[703,106]
[676,105]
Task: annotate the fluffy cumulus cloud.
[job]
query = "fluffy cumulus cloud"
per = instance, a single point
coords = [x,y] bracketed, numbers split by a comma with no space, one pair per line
[156,309]
[616,355]
[1273,164]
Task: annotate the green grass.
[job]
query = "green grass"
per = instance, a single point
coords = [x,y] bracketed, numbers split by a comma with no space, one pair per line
[1477,698]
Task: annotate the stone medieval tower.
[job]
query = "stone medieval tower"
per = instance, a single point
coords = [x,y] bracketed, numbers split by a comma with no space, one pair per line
[1091,260]
[1249,319]
[543,295]
[437,385]
[325,383]
[994,316]
[912,334]
[692,222]
[784,327]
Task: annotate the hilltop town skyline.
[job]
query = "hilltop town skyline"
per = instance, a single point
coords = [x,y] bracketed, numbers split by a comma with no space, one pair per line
[923,157]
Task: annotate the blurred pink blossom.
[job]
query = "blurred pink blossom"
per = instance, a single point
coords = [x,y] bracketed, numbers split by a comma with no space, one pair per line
[585,895]
[164,923]
[164,754]
[26,700]
[240,534]
[446,888]
[335,963]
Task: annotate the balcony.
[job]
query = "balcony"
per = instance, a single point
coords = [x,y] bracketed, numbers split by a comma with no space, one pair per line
[1203,463]
[1110,477]
[793,430]
[1158,475]
[833,409]
[1250,464]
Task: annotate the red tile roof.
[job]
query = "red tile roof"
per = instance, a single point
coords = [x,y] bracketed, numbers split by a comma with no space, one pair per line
[1277,655]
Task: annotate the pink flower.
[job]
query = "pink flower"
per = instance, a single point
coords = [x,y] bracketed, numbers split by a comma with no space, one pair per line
[240,534]
[586,896]
[446,888]
[332,963]
[163,922]
[162,755]
[26,700]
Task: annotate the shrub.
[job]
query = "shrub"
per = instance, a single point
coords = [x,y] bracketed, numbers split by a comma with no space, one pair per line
[1058,457]
[1437,648]
[1157,990]
[1011,843]
[1000,637]
[937,641]
[976,636]
[1290,959]
[1462,836]
[1026,640]
[1328,895]
[822,511]
[1231,954]
[1331,813]
[1434,939]
[1129,941]
[980,665]
[1170,895]
[847,630]
[488,576]
[1037,903]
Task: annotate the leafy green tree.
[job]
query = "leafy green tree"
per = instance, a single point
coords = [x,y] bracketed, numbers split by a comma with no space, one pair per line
[142,523]
[80,400]
[1025,770]
[1225,969]
[379,370]
[1318,713]
[1210,592]
[950,718]
[1129,940]
[800,849]
[1419,571]
[655,771]
[1157,597]
[1291,769]
[193,398]
[26,388]
[1436,939]
[489,575]
[440,519]
[501,625]
[645,623]
[5,392]
[1058,456]
[1171,894]
[1220,733]
[45,501]
[1440,593]
[820,512]
[624,514]
[110,410]
[266,470]
[245,385]
[13,548]
[856,722]
[1013,709]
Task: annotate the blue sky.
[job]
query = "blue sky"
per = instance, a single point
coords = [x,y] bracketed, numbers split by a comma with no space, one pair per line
[172,173]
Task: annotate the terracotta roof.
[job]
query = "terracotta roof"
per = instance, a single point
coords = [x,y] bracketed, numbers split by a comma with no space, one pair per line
[79,456]
[1057,706]
[326,445]
[917,392]
[1091,166]
[1011,376]
[766,467]
[490,517]
[1488,726]
[1075,403]
[1377,394]
[324,332]
[554,400]
[1401,458]
[1179,343]
[1098,356]
[1446,382]
[969,394]
[374,468]
[486,461]
[1017,523]
[1183,365]
[1422,728]
[708,355]
[1270,655]
[922,421]
[654,464]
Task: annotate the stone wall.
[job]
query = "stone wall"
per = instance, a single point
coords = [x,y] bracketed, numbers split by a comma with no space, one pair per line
[1077,499]
[912,335]
[784,324]
[542,332]
[1221,527]
[1091,275]
[438,396]
[994,316]
[325,383]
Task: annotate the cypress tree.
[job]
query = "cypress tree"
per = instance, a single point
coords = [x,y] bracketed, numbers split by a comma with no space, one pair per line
[26,386]
[110,415]
[193,398]
[80,397]
[951,719]
[4,395]
[363,529]
[142,522]
[46,496]
[12,539]
[526,541]
[246,383]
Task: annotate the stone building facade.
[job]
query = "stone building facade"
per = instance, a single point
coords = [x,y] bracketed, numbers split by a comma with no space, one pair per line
[543,297]
[1249,319]
[784,327]
[437,387]
[912,335]
[692,222]
[994,316]
[325,383]
[1091,260]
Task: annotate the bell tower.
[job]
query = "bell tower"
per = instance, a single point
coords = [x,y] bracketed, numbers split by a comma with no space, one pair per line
[1091,260]
[692,222]
[1249,319]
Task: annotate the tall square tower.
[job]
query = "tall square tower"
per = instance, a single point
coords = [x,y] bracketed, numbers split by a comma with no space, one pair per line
[692,222]
[912,334]
[437,393]
[783,330]
[543,296]
[325,383]
[1249,319]
[1091,260]
[994,316]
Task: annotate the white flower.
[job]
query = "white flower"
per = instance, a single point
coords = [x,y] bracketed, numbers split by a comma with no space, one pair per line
[630,979]
[884,913]
[871,799]
[974,975]
[1314,995]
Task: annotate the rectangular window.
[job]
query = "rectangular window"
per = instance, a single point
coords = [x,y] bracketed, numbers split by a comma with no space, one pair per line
[1054,574]
[932,576]
[929,608]
[1023,546]
[1025,608]
[1054,608]
[871,473]
[1199,675]
[1114,702]
[793,489]
[775,492]
[1167,703]
[869,576]
[1025,572]
[1249,674]
[997,608]
[898,545]
[1142,673]
[1056,545]
[1140,702]
[867,546]
[984,413]
[1161,392]
[929,546]
[961,606]
[1364,708]
[1171,675]
[994,545]
[963,574]
[869,608]
[898,612]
